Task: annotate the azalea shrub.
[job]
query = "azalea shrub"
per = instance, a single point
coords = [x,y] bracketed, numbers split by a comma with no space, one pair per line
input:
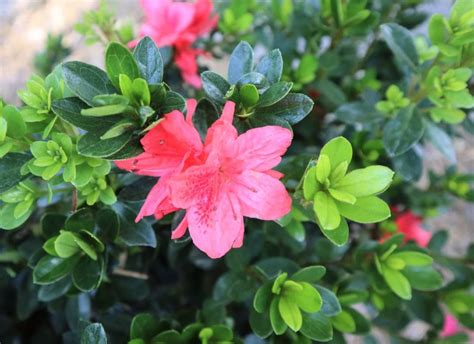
[158,199]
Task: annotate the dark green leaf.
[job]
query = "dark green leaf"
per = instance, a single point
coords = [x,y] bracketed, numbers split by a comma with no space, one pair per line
[91,145]
[10,166]
[441,140]
[423,277]
[358,112]
[338,236]
[293,108]
[401,42]
[173,101]
[271,66]
[331,304]
[240,62]
[69,110]
[260,323]
[55,290]
[408,165]
[149,60]
[144,326]
[275,93]
[316,326]
[88,273]
[86,81]
[134,234]
[402,132]
[94,334]
[51,269]
[310,274]
[215,86]
[206,114]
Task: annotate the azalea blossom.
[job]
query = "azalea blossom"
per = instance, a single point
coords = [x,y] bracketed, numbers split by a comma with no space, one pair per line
[411,226]
[179,24]
[217,182]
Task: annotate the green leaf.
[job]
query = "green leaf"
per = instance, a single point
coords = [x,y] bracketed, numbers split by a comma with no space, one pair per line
[91,144]
[260,323]
[94,334]
[144,326]
[397,282]
[310,184]
[55,290]
[173,101]
[81,219]
[69,110]
[240,62]
[323,168]
[10,166]
[108,225]
[401,42]
[365,210]
[7,219]
[249,95]
[317,326]
[402,132]
[344,322]
[205,115]
[102,111]
[134,234]
[16,125]
[87,274]
[307,299]
[271,66]
[86,81]
[65,245]
[263,297]
[51,269]
[441,140]
[367,181]
[278,324]
[293,108]
[215,86]
[423,277]
[358,113]
[275,93]
[331,304]
[310,274]
[326,211]
[149,60]
[413,258]
[439,30]
[290,313]
[342,196]
[338,150]
[119,60]
[408,165]
[338,236]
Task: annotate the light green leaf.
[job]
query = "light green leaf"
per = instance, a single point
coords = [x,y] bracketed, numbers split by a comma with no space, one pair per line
[367,181]
[413,258]
[365,210]
[342,196]
[290,313]
[397,282]
[310,184]
[326,211]
[338,150]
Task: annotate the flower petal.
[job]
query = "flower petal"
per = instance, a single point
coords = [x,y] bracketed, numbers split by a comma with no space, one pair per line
[180,230]
[216,227]
[157,202]
[261,148]
[261,196]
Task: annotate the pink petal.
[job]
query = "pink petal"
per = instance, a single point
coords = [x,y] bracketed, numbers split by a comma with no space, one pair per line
[411,225]
[220,138]
[450,326]
[261,148]
[191,108]
[261,196]
[179,231]
[216,226]
[164,139]
[150,164]
[239,241]
[157,202]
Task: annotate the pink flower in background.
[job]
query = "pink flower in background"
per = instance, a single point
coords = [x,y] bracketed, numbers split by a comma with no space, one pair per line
[179,24]
[450,326]
[218,182]
[411,225]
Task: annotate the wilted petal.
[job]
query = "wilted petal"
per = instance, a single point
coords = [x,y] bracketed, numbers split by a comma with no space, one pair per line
[261,196]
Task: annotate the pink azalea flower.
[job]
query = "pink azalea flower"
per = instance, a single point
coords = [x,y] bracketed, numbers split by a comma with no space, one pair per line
[179,24]
[218,182]
[450,326]
[411,225]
